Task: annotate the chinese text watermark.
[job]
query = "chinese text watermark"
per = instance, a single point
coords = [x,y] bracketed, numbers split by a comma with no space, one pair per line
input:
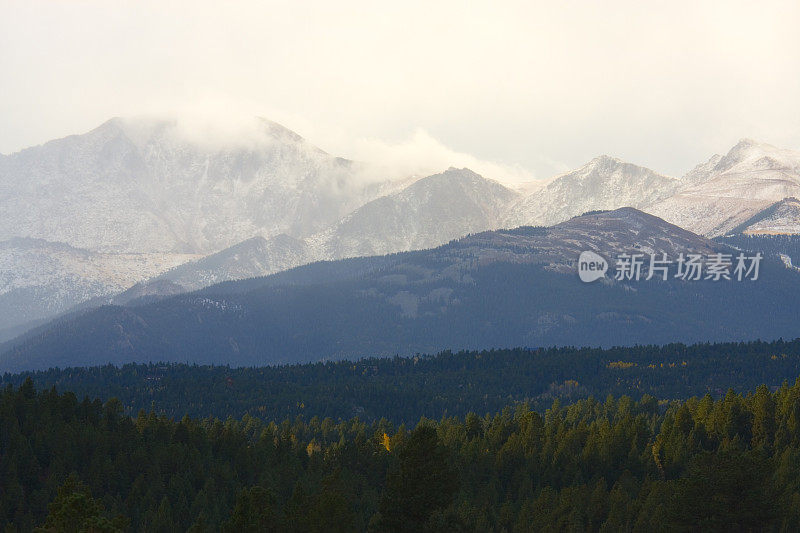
[686,267]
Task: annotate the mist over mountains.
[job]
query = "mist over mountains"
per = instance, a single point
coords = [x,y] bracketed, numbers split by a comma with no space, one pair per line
[146,195]
[145,186]
[147,208]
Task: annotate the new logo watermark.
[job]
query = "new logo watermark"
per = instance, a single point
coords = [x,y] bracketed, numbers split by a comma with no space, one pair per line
[687,267]
[591,266]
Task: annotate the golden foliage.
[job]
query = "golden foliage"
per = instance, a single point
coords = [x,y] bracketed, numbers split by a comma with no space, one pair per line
[620,364]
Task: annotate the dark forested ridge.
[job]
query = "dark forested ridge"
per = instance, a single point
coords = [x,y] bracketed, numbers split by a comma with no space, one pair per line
[503,305]
[404,389]
[495,289]
[729,464]
[770,245]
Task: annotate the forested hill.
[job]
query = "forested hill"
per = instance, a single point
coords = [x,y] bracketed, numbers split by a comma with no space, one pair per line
[405,389]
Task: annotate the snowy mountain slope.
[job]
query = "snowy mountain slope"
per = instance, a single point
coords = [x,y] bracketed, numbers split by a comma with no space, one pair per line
[780,218]
[701,172]
[603,183]
[254,257]
[425,214]
[39,279]
[726,191]
[148,186]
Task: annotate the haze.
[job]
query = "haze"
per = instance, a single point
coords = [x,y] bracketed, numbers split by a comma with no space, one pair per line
[515,90]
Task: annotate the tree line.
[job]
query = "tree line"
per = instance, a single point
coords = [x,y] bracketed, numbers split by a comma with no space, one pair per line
[404,389]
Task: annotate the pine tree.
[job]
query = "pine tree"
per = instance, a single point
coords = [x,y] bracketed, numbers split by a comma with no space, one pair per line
[419,483]
[75,511]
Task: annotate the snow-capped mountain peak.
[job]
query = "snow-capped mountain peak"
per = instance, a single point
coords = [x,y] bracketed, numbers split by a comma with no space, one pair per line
[726,191]
[750,155]
[604,161]
[747,155]
[427,213]
[603,183]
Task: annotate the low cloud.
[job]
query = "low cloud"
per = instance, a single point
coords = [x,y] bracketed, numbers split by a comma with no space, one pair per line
[422,155]
[217,123]
[207,123]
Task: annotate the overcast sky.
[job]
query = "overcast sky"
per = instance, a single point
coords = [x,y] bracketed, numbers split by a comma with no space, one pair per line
[520,89]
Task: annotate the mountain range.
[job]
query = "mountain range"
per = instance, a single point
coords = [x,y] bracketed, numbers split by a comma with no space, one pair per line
[141,208]
[498,288]
[433,210]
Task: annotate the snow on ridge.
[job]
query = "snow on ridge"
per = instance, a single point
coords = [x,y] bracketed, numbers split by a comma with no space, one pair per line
[602,183]
[721,194]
